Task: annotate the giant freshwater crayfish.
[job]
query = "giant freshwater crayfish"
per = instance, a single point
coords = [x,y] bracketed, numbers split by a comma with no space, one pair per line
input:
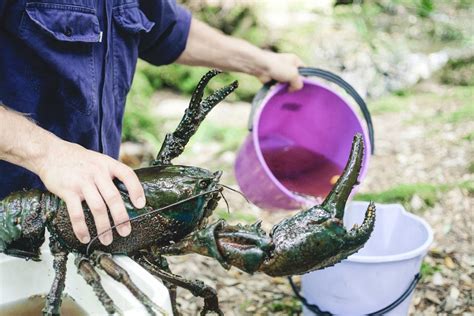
[180,200]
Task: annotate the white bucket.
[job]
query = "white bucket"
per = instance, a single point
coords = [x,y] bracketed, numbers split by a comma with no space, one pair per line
[21,279]
[379,273]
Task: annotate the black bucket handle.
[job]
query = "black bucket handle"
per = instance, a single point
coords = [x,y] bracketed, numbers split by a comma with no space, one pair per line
[329,76]
[317,311]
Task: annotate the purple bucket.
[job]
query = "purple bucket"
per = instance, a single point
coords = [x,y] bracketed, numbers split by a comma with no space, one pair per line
[291,132]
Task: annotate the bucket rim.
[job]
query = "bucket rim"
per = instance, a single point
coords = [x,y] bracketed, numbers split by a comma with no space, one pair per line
[418,251]
[303,201]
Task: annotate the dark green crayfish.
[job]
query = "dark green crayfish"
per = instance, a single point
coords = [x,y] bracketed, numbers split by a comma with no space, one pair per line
[180,200]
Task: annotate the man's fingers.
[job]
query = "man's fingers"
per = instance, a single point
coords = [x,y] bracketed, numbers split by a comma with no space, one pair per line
[130,179]
[99,211]
[114,201]
[76,215]
[296,84]
[298,62]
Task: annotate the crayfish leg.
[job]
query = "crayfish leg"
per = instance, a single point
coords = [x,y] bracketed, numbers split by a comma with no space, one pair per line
[196,287]
[87,271]
[119,274]
[160,263]
[54,298]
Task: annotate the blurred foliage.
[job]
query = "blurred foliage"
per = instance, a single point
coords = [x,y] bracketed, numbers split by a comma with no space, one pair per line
[424,7]
[230,138]
[184,79]
[469,137]
[470,168]
[425,24]
[139,124]
[459,72]
[237,20]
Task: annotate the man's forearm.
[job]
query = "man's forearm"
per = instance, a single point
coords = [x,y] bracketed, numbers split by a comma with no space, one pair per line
[209,47]
[21,141]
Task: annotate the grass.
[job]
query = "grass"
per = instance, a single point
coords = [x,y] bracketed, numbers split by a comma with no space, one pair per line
[399,100]
[464,113]
[390,104]
[286,306]
[469,137]
[403,193]
[427,269]
[236,216]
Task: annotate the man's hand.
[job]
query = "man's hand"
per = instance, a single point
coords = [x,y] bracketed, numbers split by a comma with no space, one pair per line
[76,174]
[72,172]
[283,68]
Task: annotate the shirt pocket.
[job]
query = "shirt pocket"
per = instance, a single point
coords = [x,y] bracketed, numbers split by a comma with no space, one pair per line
[129,22]
[63,37]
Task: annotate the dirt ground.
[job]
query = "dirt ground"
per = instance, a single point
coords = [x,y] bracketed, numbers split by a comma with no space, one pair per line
[425,136]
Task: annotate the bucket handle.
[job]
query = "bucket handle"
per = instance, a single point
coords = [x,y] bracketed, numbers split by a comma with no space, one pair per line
[329,76]
[317,311]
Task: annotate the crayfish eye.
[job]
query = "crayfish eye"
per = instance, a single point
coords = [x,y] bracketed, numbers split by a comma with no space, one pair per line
[203,184]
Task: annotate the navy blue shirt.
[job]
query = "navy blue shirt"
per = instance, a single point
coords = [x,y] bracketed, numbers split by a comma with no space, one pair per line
[69,64]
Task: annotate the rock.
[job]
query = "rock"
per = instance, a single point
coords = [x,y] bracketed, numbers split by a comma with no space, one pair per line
[454,293]
[449,263]
[431,296]
[437,279]
[251,308]
[450,304]
[416,203]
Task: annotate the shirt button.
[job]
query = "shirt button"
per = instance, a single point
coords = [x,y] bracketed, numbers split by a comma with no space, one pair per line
[68,31]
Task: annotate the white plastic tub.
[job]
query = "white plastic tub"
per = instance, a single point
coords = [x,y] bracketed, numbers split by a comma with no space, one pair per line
[20,279]
[380,272]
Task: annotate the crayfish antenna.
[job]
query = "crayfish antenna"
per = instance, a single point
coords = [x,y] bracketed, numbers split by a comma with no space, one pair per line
[336,200]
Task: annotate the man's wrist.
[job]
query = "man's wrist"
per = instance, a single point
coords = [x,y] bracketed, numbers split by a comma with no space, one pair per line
[42,152]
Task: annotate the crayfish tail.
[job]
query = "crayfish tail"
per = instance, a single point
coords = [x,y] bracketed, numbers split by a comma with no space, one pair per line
[23,223]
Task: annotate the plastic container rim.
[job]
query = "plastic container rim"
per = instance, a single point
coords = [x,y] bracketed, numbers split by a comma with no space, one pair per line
[418,251]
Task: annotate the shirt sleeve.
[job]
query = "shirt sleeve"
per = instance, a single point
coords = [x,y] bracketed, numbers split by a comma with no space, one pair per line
[167,39]
[3,4]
